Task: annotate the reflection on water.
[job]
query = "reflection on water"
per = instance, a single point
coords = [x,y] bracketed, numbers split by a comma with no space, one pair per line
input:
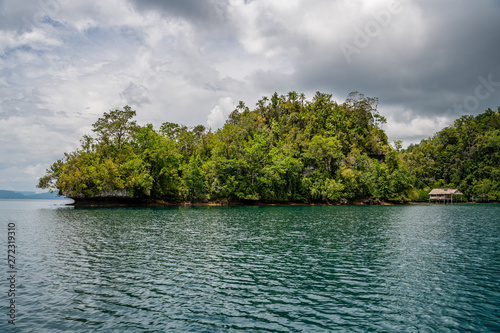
[278,269]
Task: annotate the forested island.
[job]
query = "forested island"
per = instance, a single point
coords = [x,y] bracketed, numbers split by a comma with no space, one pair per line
[286,150]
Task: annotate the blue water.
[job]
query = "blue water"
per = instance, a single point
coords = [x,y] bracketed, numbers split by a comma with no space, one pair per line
[253,269]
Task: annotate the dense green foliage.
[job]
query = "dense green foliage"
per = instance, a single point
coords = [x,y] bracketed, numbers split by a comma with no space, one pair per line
[465,155]
[285,150]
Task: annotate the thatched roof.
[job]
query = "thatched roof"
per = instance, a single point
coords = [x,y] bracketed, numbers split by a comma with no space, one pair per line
[443,191]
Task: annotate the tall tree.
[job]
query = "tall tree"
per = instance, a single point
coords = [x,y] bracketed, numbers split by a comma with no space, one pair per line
[116,126]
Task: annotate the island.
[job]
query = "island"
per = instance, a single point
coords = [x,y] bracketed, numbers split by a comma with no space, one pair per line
[287,150]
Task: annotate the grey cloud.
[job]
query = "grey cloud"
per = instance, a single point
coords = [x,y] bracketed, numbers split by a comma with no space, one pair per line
[25,15]
[269,82]
[459,45]
[203,12]
[23,104]
[135,95]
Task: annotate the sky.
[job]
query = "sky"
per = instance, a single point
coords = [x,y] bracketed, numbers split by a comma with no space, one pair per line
[64,63]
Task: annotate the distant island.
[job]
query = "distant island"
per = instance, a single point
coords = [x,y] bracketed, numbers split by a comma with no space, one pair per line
[28,195]
[286,150]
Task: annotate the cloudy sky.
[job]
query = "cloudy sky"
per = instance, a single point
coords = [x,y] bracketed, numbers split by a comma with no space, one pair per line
[64,63]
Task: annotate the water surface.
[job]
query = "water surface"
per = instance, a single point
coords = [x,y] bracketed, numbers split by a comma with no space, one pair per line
[255,269]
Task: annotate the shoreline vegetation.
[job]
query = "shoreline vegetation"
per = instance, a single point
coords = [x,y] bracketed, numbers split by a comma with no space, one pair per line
[113,202]
[288,150]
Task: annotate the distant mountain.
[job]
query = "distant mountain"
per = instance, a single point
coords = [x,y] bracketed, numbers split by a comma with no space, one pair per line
[27,195]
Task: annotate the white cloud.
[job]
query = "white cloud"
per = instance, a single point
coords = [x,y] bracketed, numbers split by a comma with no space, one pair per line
[36,39]
[414,129]
[220,112]
[33,143]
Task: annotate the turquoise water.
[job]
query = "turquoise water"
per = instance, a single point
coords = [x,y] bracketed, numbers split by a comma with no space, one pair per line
[253,269]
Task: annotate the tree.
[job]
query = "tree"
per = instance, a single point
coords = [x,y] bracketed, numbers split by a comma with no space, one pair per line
[170,130]
[116,127]
[323,152]
[158,157]
[49,181]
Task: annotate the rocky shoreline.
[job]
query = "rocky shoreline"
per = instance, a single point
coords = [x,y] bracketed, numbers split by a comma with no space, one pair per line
[134,202]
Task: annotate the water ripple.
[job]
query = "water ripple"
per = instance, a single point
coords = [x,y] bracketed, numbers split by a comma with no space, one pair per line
[260,269]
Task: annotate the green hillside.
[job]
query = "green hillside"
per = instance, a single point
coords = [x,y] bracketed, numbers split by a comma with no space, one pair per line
[465,155]
[286,149]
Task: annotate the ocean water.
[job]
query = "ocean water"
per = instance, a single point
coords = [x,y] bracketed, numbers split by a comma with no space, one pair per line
[418,268]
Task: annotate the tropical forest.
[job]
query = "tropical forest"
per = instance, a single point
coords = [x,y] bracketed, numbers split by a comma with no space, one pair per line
[285,150]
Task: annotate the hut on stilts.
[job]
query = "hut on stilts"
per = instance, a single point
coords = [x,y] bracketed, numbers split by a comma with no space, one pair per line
[445,195]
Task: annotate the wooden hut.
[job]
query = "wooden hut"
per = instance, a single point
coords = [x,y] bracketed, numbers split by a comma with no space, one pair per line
[444,194]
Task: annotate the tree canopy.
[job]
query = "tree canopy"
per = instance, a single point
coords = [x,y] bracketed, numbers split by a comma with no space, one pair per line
[465,155]
[287,149]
